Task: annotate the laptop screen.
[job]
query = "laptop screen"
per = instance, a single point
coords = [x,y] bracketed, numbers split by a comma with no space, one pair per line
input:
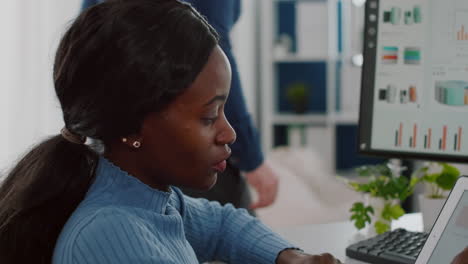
[455,236]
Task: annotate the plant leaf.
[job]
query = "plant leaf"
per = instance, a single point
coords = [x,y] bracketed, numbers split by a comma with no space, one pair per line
[431,178]
[381,227]
[360,215]
[396,211]
[448,177]
[414,181]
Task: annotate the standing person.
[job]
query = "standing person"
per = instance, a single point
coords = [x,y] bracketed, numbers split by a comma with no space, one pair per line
[247,155]
[148,79]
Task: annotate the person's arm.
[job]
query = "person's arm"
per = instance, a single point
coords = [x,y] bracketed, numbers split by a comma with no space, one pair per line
[88,3]
[224,233]
[231,235]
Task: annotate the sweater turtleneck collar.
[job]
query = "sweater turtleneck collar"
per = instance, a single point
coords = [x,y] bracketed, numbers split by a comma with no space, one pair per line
[126,190]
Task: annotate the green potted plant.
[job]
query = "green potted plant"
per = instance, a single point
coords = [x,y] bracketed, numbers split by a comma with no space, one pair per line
[438,178]
[384,190]
[297,95]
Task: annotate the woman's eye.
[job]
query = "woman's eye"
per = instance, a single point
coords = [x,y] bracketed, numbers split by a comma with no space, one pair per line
[209,120]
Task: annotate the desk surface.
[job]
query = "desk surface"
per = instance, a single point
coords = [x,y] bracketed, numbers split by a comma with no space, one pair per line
[335,237]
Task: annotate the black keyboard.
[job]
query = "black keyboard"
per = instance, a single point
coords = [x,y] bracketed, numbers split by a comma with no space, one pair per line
[394,247]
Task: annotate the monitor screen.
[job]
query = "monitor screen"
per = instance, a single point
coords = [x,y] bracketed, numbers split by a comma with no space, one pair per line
[414,97]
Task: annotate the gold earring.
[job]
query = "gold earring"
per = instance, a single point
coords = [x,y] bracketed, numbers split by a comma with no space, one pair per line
[136,144]
[124,140]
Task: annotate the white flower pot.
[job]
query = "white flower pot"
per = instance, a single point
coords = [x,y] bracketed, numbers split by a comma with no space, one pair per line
[430,209]
[378,204]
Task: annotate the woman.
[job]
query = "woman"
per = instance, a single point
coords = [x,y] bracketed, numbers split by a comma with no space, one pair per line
[147,80]
[247,156]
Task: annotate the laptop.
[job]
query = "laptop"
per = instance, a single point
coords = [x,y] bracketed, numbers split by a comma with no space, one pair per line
[449,235]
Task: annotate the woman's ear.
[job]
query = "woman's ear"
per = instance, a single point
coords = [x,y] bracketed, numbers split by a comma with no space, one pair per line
[132,141]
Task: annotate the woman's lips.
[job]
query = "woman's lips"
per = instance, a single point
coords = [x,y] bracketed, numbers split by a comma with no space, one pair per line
[220,167]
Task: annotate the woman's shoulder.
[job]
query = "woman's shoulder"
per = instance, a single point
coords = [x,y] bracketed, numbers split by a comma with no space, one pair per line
[104,215]
[110,235]
[98,226]
[90,221]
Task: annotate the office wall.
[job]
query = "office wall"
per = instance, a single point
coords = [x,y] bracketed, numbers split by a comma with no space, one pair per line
[30,31]
[244,45]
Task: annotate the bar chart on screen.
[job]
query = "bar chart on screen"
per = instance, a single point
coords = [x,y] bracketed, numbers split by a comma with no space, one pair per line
[460,32]
[414,136]
[461,25]
[447,138]
[406,133]
[428,139]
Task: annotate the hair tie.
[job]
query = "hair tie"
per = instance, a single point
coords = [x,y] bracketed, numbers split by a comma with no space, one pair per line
[71,137]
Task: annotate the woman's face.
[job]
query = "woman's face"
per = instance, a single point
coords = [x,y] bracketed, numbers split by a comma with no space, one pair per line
[187,143]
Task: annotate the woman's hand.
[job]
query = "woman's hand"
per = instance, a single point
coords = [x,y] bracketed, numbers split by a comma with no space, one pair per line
[292,256]
[461,258]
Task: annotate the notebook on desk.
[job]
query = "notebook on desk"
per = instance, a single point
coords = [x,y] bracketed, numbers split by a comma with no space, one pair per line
[448,237]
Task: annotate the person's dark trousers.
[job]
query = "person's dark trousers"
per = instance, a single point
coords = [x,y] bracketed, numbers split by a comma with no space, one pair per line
[230,187]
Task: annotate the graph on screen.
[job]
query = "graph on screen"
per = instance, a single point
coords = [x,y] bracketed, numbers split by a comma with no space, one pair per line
[461,25]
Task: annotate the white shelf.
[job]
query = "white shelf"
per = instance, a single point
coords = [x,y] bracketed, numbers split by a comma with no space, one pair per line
[298,58]
[345,118]
[320,128]
[305,58]
[315,119]
[300,119]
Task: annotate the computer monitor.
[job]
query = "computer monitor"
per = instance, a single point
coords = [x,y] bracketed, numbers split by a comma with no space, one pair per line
[414,97]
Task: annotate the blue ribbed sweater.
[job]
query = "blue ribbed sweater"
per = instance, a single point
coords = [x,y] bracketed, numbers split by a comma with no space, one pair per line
[122,220]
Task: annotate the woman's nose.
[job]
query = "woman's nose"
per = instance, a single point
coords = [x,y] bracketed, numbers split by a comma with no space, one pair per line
[227,135]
